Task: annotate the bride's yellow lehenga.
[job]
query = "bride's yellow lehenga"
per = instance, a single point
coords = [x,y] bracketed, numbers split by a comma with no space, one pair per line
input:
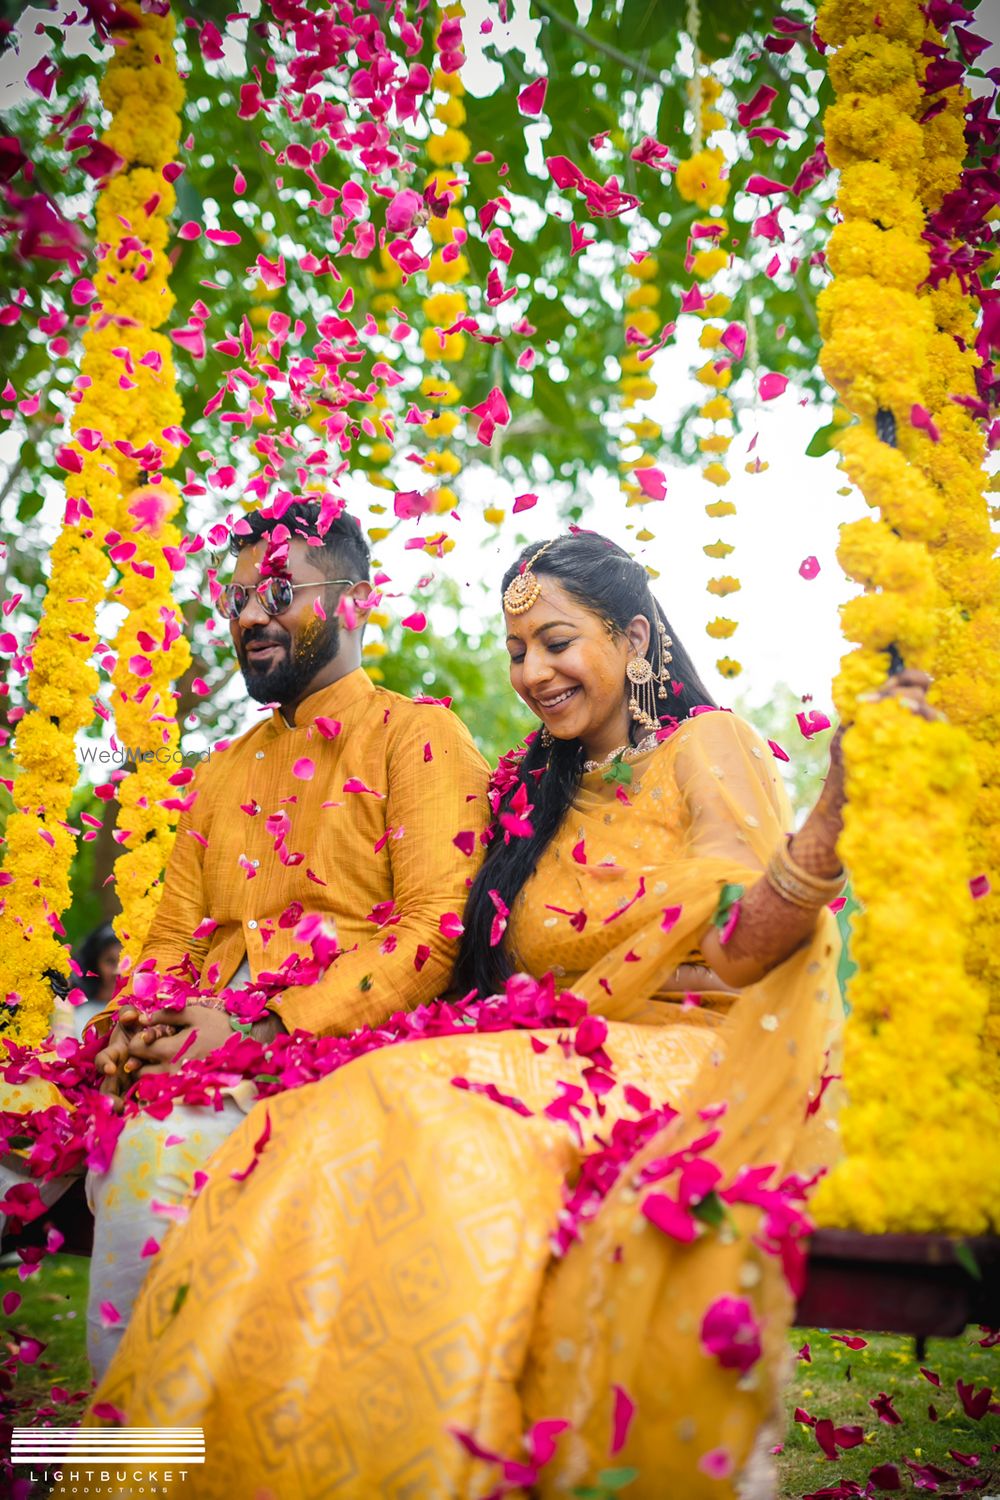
[384,1274]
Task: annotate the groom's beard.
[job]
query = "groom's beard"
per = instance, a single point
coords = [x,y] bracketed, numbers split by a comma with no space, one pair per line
[295,664]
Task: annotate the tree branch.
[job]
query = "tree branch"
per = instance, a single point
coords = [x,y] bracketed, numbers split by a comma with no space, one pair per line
[631,64]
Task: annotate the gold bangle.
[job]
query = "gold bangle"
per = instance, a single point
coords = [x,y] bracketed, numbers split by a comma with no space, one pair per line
[799,886]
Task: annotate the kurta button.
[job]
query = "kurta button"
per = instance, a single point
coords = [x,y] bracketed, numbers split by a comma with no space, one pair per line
[251,924]
[260,755]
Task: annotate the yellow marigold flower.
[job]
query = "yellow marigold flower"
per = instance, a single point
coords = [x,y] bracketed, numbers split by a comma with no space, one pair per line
[442,231]
[720,508]
[645,430]
[645,535]
[716,409]
[891,256]
[723,586]
[449,271]
[379,533]
[450,348]
[709,87]
[451,113]
[494,514]
[839,20]
[448,83]
[726,667]
[716,442]
[443,462]
[380,453]
[445,308]
[716,473]
[379,618]
[440,390]
[720,628]
[644,320]
[716,306]
[717,549]
[871,64]
[631,364]
[374,648]
[453,146]
[699,179]
[710,375]
[866,183]
[638,388]
[858,128]
[443,425]
[642,296]
[381,482]
[710,336]
[644,270]
[443,500]
[707,262]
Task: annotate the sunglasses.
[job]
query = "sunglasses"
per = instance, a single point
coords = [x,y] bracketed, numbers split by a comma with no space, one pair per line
[275,595]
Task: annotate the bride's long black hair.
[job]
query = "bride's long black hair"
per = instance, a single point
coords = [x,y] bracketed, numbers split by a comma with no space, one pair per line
[602,577]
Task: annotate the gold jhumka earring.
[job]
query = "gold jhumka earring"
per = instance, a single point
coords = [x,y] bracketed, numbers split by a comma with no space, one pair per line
[649,687]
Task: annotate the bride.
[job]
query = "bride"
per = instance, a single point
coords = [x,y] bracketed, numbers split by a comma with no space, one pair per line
[565,1236]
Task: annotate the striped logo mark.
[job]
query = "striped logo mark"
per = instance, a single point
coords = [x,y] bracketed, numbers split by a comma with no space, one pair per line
[159,1446]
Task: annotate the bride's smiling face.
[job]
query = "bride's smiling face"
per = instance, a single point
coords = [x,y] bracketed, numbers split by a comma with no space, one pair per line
[569,668]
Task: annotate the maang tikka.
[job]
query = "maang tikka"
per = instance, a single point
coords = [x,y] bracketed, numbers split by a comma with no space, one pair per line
[523,591]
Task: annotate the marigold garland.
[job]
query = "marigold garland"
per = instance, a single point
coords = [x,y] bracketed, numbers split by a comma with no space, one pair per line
[967,655]
[142,89]
[125,394]
[920,1125]
[127,397]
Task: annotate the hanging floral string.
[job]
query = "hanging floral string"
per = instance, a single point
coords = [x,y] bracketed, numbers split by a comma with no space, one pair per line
[445,304]
[920,1123]
[123,399]
[703,180]
[946,441]
[145,95]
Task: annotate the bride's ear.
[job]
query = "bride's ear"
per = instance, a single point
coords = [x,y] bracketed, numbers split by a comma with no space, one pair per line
[637,634]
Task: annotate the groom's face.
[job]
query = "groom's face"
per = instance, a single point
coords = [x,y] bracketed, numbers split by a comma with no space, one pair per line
[280,655]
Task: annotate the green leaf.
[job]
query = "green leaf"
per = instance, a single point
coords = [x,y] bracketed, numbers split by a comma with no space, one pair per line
[966,1259]
[728,897]
[179,1299]
[616,1479]
[619,770]
[822,440]
[711,1210]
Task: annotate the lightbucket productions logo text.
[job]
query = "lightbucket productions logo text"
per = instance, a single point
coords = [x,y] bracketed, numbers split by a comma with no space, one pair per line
[135,1461]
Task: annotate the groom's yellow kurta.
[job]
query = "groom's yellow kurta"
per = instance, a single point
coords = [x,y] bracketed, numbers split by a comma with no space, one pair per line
[351,813]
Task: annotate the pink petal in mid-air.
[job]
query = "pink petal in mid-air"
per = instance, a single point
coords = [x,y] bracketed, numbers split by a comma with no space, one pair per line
[531,99]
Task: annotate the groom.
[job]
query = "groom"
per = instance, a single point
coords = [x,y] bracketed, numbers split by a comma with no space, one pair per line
[346,801]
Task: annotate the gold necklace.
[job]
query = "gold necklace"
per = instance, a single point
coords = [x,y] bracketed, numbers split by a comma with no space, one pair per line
[626,751]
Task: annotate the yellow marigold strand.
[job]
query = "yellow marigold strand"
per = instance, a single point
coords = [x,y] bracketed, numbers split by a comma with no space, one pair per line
[913,1160]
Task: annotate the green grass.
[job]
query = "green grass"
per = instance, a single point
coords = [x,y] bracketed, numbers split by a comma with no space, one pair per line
[53,1310]
[837,1383]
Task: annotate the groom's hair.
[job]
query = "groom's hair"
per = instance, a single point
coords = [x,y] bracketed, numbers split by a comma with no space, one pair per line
[602,577]
[339,548]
